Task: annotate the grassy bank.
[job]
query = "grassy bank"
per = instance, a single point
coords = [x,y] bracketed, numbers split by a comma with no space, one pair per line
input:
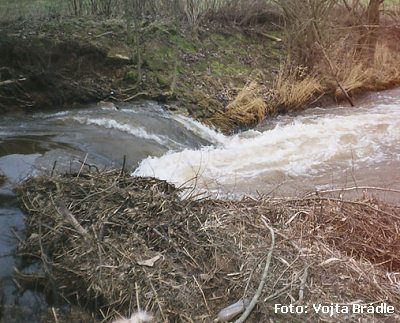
[230,64]
[196,74]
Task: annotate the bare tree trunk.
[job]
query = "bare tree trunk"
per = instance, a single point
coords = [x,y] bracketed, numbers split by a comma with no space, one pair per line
[134,11]
[369,38]
[77,7]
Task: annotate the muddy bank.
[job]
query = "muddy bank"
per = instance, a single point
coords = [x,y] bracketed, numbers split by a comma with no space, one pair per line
[110,243]
[59,63]
[231,77]
[39,73]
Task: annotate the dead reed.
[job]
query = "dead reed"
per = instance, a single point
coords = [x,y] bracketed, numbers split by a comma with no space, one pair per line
[294,89]
[247,109]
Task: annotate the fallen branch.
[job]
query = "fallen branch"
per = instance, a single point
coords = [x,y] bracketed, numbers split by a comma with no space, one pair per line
[359,188]
[303,280]
[7,82]
[104,34]
[272,37]
[257,295]
[135,96]
[71,219]
[334,74]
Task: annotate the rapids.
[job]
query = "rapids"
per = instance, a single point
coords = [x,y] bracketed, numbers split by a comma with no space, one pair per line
[319,148]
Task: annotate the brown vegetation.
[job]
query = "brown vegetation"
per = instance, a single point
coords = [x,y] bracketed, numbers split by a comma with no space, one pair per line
[248,108]
[113,244]
[42,73]
[291,91]
[188,51]
[332,50]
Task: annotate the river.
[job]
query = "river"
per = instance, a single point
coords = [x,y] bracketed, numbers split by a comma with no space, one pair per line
[320,148]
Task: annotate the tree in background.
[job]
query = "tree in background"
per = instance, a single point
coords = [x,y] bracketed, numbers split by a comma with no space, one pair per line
[76,7]
[134,16]
[369,37]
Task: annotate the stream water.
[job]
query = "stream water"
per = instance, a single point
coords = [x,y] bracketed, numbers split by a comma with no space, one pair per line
[317,149]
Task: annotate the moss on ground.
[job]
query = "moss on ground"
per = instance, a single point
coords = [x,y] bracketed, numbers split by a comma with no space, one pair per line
[204,73]
[198,74]
[201,73]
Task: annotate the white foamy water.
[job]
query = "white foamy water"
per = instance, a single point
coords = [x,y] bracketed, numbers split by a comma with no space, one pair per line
[309,145]
[113,124]
[201,129]
[321,148]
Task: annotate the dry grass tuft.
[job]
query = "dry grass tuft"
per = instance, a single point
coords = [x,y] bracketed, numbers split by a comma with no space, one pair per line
[353,78]
[386,69]
[247,109]
[294,89]
[291,91]
[356,76]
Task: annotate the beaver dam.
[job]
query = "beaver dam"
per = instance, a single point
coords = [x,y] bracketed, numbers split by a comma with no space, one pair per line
[199,256]
[110,244]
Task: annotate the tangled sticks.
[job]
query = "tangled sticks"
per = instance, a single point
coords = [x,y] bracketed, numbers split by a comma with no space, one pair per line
[116,240]
[115,245]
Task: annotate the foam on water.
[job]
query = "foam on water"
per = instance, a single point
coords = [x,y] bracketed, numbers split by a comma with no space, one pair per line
[305,146]
[113,124]
[201,129]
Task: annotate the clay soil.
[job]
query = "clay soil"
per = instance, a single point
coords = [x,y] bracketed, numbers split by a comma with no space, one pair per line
[38,73]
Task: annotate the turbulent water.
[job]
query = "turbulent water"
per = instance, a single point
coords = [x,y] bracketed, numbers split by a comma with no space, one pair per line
[319,148]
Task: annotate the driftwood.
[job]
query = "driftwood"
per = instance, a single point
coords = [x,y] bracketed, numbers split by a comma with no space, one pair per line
[7,82]
[269,36]
[189,258]
[30,279]
[71,219]
[260,288]
[272,37]
[137,95]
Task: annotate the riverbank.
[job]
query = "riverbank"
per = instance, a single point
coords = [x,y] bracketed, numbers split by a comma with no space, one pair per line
[111,244]
[228,76]
[368,140]
[75,61]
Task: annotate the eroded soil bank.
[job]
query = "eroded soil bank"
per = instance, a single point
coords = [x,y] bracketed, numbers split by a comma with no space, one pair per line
[57,64]
[39,72]
[231,77]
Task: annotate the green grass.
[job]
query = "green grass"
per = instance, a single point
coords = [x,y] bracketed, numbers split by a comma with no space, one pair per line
[387,3]
[31,9]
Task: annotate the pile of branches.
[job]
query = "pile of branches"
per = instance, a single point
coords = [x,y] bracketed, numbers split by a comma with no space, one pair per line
[113,244]
[366,229]
[117,243]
